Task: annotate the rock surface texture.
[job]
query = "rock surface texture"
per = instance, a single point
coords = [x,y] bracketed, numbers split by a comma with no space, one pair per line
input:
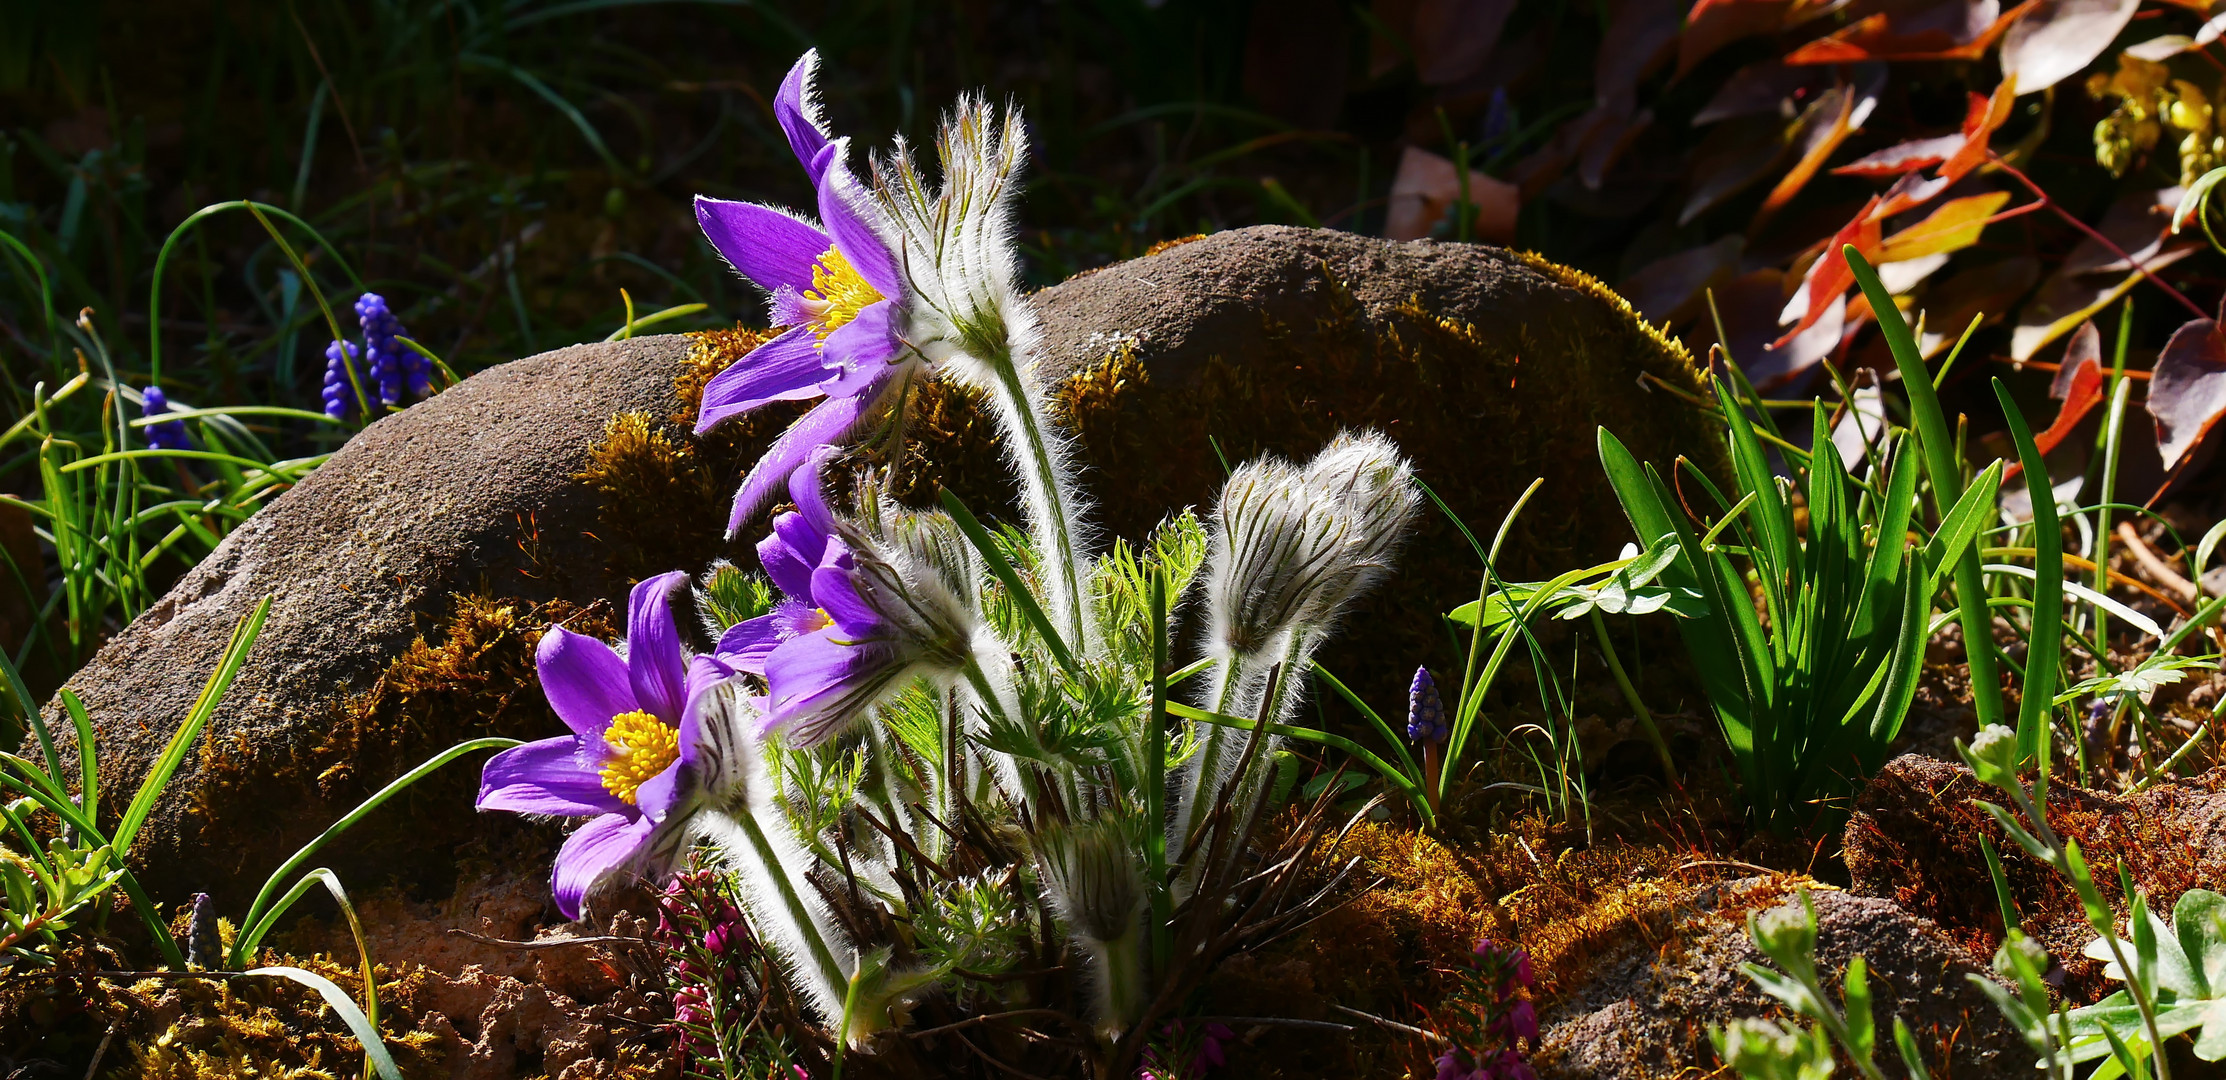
[1915,838]
[1645,1012]
[413,571]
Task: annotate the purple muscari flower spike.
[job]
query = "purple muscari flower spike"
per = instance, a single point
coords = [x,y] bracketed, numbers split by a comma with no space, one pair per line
[393,367]
[167,436]
[631,761]
[835,288]
[340,391]
[1425,713]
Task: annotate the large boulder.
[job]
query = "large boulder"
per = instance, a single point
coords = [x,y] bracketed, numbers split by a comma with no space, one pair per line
[413,572]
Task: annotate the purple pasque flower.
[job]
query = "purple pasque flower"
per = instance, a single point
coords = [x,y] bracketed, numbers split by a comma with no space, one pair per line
[1425,712]
[860,614]
[835,285]
[170,435]
[632,760]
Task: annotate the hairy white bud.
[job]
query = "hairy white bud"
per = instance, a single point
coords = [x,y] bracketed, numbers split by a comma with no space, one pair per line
[1293,546]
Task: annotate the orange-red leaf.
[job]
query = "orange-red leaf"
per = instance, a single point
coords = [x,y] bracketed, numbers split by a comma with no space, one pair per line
[1954,226]
[2078,385]
[1877,38]
[1902,157]
[2187,394]
[1830,120]
[1829,276]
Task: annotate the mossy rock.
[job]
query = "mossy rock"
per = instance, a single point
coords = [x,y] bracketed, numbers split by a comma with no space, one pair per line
[1643,1010]
[412,574]
[1915,838]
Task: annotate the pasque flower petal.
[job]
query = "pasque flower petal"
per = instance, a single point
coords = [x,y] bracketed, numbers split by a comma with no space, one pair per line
[858,352]
[816,683]
[835,590]
[747,644]
[769,246]
[828,422]
[796,107]
[790,367]
[585,681]
[847,211]
[655,664]
[550,776]
[595,849]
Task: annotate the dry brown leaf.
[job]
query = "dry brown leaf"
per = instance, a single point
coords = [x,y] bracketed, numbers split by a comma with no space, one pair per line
[1426,187]
[1672,287]
[1986,291]
[1713,24]
[2057,39]
[1953,31]
[1451,39]
[2187,393]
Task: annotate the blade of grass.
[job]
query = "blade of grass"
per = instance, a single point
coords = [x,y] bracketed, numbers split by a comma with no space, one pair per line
[2048,593]
[260,916]
[374,1050]
[1943,468]
[173,755]
[1004,572]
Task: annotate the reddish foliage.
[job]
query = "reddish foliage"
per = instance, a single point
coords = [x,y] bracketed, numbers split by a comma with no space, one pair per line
[2187,395]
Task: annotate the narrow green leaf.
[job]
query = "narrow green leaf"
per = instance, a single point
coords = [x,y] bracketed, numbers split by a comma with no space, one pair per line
[374,1049]
[1003,569]
[173,755]
[2048,591]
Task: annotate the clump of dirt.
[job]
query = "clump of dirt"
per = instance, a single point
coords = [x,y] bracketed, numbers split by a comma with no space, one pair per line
[1645,1010]
[1915,839]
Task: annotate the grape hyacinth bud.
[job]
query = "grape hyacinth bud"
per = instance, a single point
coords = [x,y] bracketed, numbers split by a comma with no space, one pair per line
[1425,713]
[393,367]
[166,436]
[342,360]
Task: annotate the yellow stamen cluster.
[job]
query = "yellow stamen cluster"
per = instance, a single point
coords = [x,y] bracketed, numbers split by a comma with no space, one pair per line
[641,746]
[838,292]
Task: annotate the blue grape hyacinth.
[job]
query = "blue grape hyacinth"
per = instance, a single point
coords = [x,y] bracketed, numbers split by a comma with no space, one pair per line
[166,436]
[393,367]
[1425,713]
[340,390]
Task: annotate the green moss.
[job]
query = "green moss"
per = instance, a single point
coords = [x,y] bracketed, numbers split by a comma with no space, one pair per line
[473,676]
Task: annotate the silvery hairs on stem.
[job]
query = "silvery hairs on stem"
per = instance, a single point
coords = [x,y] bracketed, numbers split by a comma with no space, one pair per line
[1096,882]
[755,838]
[957,251]
[1291,547]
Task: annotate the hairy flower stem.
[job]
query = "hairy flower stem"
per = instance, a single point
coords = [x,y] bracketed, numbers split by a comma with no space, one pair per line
[1203,774]
[1121,982]
[817,958]
[1050,516]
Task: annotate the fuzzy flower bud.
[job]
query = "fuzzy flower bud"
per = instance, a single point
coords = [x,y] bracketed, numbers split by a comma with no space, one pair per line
[1292,546]
[889,599]
[1993,756]
[165,436]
